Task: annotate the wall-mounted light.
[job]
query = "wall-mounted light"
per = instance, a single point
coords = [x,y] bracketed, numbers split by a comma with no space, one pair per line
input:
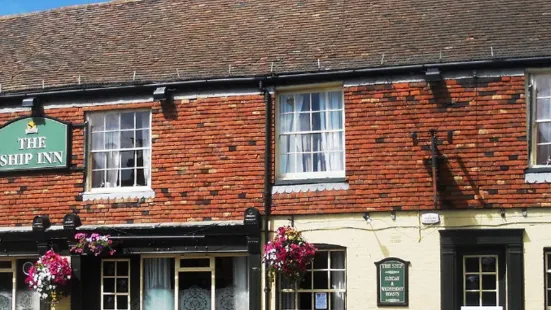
[432,75]
[366,217]
[34,104]
[393,215]
[71,221]
[41,223]
[414,138]
[162,94]
[502,212]
[524,212]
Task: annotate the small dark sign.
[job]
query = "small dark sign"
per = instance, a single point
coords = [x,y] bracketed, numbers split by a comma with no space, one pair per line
[392,282]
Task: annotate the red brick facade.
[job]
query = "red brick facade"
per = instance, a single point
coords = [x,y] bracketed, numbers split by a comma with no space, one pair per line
[208,164]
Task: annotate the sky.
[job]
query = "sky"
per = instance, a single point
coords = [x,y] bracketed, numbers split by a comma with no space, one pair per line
[10,7]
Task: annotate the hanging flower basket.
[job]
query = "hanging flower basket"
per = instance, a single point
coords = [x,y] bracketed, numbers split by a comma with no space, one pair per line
[50,277]
[288,254]
[93,244]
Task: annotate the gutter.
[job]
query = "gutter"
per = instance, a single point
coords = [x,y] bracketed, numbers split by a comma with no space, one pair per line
[292,77]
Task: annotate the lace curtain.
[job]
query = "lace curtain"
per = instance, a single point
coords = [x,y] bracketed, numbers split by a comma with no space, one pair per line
[311,132]
[158,291]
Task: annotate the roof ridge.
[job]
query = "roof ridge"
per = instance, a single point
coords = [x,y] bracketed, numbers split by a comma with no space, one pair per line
[65,8]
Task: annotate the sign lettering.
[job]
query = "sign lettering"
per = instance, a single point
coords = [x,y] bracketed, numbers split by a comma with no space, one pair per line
[33,143]
[392,282]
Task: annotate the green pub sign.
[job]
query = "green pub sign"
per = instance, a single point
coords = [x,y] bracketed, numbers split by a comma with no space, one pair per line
[392,282]
[34,143]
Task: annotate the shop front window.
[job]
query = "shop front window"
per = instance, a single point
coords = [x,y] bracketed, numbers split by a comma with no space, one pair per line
[207,283]
[12,283]
[115,284]
[322,287]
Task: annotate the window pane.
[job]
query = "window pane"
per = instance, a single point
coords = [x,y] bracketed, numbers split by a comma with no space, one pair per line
[112,140]
[488,264]
[335,100]
[286,123]
[471,264]
[306,163]
[306,143]
[6,285]
[549,298]
[98,142]
[195,290]
[543,110]
[303,102]
[143,120]
[472,299]
[127,139]
[108,268]
[122,268]
[194,263]
[316,101]
[287,301]
[98,179]
[127,120]
[140,158]
[109,285]
[305,301]
[122,302]
[544,132]
[122,285]
[98,161]
[127,177]
[337,280]
[306,282]
[25,298]
[472,282]
[140,177]
[337,301]
[286,283]
[333,141]
[318,142]
[112,121]
[336,161]
[543,85]
[96,122]
[286,104]
[489,299]
[109,302]
[127,159]
[488,282]
[335,120]
[5,264]
[304,122]
[319,162]
[543,155]
[284,164]
[321,280]
[337,260]
[321,259]
[158,283]
[318,121]
[142,138]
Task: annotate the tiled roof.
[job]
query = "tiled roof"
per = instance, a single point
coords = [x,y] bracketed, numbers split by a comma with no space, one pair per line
[162,40]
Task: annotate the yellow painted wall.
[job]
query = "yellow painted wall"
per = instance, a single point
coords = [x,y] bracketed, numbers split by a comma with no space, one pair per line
[408,239]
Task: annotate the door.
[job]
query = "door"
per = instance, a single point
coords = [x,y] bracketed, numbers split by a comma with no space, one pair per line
[483,280]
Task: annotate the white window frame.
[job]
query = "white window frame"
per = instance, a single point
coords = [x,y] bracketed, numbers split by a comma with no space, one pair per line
[547,278]
[308,175]
[13,271]
[313,291]
[480,273]
[177,269]
[115,277]
[126,189]
[533,122]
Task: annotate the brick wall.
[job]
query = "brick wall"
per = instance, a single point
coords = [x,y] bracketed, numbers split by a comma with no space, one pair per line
[208,157]
[482,167]
[207,165]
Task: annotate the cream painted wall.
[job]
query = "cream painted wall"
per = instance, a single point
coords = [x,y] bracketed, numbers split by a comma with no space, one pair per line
[408,239]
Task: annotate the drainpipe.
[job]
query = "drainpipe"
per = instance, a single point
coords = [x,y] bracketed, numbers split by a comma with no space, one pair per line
[267,183]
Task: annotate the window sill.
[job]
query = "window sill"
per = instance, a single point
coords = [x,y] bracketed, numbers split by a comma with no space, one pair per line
[297,186]
[537,175]
[129,194]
